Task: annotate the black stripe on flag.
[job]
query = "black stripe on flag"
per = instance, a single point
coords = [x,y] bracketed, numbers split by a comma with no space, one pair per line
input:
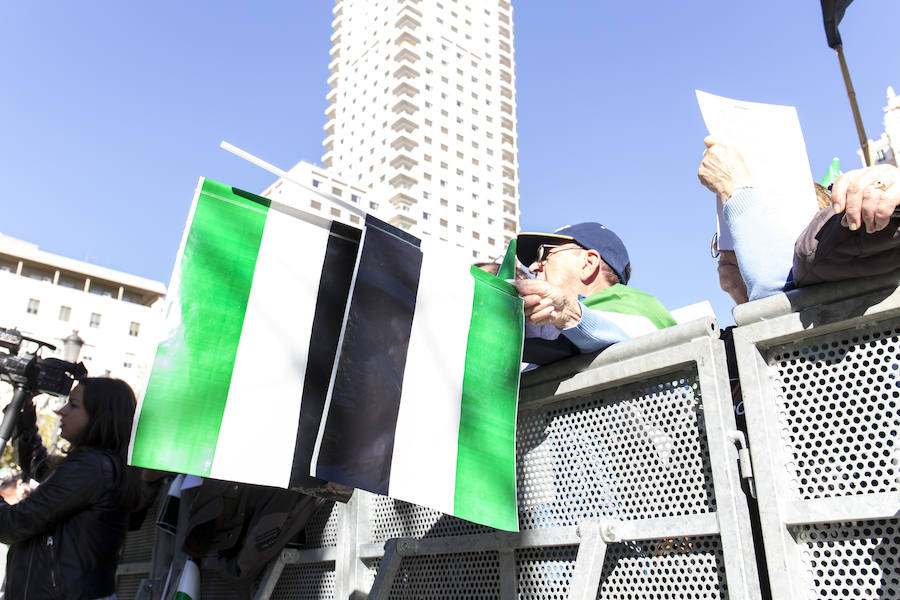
[334,289]
[358,438]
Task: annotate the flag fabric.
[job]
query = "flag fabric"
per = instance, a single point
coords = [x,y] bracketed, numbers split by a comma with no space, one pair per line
[422,405]
[834,171]
[507,270]
[254,313]
[832,13]
[297,347]
[189,583]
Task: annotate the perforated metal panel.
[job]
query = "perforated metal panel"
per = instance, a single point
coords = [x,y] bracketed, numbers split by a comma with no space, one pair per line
[213,585]
[394,518]
[127,586]
[472,576]
[837,401]
[634,450]
[139,544]
[545,572]
[306,582]
[823,422]
[322,527]
[626,453]
[852,560]
[687,568]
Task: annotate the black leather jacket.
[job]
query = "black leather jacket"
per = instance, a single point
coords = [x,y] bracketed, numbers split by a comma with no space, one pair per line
[65,536]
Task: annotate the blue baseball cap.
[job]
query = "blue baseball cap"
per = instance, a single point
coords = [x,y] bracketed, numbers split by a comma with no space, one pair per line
[591,236]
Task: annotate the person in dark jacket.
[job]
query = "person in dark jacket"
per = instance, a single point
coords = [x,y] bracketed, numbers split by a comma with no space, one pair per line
[859,236]
[65,536]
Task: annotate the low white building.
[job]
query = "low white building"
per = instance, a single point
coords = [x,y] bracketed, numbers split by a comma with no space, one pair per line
[118,315]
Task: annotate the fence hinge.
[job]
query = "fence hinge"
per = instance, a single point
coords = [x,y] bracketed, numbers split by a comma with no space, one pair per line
[744,464]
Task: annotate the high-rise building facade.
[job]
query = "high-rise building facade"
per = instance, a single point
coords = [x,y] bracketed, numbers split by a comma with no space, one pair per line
[422,116]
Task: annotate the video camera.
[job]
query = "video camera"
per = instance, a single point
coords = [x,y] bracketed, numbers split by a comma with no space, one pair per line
[31,374]
[39,375]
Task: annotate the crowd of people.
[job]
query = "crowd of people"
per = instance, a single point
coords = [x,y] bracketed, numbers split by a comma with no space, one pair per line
[579,300]
[66,534]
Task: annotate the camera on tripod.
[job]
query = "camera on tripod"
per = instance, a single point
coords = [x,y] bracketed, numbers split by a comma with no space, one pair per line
[32,372]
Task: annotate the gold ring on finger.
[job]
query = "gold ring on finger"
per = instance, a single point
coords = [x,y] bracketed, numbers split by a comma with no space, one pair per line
[880,185]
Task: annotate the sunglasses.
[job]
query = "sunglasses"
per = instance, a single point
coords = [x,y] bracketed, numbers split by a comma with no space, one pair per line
[544,251]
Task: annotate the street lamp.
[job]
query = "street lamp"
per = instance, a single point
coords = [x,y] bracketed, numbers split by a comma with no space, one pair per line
[72,345]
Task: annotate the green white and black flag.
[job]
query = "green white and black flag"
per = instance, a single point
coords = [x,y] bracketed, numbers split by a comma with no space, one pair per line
[423,399]
[254,311]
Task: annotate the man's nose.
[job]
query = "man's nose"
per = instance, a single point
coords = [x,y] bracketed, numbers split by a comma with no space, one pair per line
[535,266]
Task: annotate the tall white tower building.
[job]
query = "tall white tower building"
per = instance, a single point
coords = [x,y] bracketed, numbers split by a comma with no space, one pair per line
[422,116]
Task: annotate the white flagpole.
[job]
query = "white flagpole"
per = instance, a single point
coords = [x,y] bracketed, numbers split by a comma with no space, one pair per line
[284,175]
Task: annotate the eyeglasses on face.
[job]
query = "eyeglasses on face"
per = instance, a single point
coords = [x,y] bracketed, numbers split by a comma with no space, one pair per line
[544,251]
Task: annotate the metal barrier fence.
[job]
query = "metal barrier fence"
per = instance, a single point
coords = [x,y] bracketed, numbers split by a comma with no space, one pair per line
[820,373]
[628,486]
[630,475]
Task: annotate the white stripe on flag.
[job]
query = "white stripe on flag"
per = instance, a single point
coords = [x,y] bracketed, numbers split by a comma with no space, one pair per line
[423,466]
[259,428]
[633,325]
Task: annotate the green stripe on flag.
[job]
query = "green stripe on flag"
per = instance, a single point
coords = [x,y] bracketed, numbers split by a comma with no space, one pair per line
[486,460]
[182,408]
[507,268]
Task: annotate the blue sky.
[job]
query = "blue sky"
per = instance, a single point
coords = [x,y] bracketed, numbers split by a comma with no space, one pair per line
[110,111]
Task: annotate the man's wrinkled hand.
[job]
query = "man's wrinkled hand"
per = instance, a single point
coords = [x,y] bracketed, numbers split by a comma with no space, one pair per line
[723,169]
[867,197]
[547,304]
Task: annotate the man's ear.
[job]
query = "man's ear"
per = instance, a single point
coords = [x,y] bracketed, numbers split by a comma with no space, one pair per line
[590,267]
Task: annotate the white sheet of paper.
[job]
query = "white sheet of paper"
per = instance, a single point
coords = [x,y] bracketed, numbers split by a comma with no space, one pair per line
[771,141]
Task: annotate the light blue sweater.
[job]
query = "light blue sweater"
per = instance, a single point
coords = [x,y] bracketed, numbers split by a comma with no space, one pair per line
[763,244]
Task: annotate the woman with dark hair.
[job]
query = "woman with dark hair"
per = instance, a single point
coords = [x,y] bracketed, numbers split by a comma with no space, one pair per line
[65,536]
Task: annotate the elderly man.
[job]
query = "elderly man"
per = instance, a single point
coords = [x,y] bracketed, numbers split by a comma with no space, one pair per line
[581,289]
[858,235]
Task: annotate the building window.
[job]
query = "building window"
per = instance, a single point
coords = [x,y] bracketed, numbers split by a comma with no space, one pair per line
[354,197]
[134,329]
[95,320]
[315,205]
[65,313]
[354,219]
[33,306]
[315,183]
[335,212]
[426,216]
[373,205]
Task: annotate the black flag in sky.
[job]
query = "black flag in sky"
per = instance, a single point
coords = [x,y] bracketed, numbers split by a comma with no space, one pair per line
[832,13]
